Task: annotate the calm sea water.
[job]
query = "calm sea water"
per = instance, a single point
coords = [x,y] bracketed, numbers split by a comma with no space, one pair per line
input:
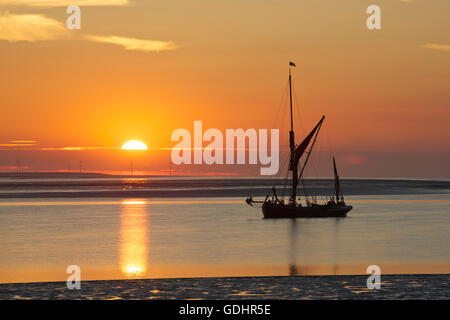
[117,238]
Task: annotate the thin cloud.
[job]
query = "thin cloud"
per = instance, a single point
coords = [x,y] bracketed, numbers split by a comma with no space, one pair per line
[435,46]
[24,141]
[135,44]
[36,27]
[32,145]
[63,3]
[17,144]
[30,27]
[77,148]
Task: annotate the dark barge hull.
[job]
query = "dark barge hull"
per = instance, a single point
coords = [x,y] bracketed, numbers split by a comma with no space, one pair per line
[279,211]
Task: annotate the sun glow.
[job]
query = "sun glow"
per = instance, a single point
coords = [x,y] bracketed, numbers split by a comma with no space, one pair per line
[134,145]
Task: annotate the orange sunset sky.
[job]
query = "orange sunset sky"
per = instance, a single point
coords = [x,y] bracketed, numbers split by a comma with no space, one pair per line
[141,69]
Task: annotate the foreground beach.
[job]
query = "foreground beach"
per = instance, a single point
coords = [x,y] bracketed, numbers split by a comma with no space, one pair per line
[237,288]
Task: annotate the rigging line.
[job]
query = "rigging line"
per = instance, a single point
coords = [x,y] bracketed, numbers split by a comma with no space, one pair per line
[314,178]
[304,189]
[280,107]
[283,116]
[330,147]
[327,160]
[280,117]
[319,160]
[284,173]
[310,150]
[286,178]
[297,113]
[303,182]
[318,163]
[316,160]
[284,163]
[315,163]
[329,144]
[299,119]
[284,120]
[313,168]
[308,183]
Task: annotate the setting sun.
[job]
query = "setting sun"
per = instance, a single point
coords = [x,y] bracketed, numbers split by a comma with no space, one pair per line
[134,145]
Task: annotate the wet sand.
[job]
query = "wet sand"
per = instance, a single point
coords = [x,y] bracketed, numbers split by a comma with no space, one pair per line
[238,288]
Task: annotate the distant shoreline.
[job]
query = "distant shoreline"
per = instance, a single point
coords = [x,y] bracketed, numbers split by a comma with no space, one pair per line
[210,187]
[96,175]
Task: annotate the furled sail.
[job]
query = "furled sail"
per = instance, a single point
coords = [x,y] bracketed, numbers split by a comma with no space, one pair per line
[337,184]
[300,149]
[336,181]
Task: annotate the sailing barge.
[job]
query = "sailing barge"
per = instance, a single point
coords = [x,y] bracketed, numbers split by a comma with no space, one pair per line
[274,208]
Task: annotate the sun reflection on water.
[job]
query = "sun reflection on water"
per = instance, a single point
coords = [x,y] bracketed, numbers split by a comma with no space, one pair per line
[133,249]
